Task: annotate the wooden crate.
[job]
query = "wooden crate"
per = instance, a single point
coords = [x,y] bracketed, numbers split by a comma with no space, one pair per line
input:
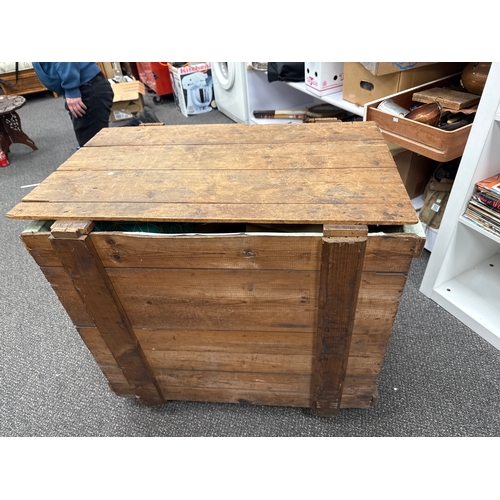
[286,296]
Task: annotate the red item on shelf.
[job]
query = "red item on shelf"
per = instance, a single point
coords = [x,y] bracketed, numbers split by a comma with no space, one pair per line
[4,162]
[156,76]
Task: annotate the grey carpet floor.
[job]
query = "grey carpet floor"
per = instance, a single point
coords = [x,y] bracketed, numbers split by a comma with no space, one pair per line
[438,378]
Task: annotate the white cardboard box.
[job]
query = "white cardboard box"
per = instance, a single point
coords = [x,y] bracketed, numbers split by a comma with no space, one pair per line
[193,89]
[323,78]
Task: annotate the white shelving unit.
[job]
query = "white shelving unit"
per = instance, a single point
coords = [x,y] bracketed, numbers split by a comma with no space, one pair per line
[463,273]
[334,99]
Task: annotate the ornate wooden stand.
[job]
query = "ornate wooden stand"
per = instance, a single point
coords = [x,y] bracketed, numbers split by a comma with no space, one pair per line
[10,123]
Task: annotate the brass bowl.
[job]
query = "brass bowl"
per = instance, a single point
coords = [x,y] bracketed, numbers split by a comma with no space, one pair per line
[430,114]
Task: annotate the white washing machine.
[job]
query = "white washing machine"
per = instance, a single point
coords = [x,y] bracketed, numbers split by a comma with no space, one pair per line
[230,90]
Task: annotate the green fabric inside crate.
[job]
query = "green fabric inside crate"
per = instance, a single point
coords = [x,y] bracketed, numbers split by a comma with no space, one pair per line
[144,227]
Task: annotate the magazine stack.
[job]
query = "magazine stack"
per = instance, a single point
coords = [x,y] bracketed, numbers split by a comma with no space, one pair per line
[484,205]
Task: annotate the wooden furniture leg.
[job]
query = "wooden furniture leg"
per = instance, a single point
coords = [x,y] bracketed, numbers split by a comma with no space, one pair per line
[78,256]
[11,132]
[342,255]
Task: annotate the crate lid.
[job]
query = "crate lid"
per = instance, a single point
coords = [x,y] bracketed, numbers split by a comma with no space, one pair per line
[329,173]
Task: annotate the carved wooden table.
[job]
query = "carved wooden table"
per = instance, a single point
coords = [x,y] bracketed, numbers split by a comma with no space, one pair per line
[10,123]
[230,263]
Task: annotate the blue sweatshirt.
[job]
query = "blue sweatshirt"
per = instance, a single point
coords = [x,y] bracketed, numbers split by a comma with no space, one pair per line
[65,78]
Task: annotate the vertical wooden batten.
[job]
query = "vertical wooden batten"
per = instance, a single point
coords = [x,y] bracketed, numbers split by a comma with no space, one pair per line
[342,256]
[79,258]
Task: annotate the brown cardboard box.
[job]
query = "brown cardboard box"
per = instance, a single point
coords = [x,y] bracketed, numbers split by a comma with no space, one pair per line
[415,170]
[127,101]
[361,86]
[384,68]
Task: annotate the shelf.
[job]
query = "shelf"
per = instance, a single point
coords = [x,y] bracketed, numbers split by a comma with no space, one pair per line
[473,298]
[334,99]
[479,229]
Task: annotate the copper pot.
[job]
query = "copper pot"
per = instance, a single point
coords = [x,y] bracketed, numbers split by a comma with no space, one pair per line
[430,114]
[474,77]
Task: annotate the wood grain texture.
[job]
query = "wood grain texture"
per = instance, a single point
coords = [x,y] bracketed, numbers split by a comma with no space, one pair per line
[235,157]
[271,213]
[89,278]
[340,278]
[262,187]
[334,173]
[106,361]
[236,134]
[448,98]
[213,299]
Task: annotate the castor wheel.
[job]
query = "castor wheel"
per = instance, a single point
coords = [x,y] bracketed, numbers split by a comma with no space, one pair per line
[157,99]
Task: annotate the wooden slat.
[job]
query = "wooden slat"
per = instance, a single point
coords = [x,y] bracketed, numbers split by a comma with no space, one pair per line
[384,253]
[274,213]
[354,398]
[208,251]
[340,277]
[299,186]
[106,361]
[448,98]
[230,342]
[234,157]
[68,296]
[218,299]
[39,247]
[235,134]
[79,259]
[299,364]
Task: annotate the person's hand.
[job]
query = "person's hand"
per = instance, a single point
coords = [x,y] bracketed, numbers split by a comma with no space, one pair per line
[76,106]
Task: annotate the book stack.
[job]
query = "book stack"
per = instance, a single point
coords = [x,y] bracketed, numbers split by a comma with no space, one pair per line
[484,205]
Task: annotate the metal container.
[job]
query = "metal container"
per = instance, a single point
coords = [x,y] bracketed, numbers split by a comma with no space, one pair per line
[389,106]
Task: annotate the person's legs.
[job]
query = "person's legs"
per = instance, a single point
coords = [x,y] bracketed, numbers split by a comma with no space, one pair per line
[97,95]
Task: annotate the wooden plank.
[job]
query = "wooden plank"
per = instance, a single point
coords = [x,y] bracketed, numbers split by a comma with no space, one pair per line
[340,277]
[226,341]
[447,97]
[234,157]
[241,251]
[272,383]
[247,362]
[337,231]
[271,213]
[206,299]
[358,392]
[235,134]
[71,301]
[299,186]
[81,262]
[71,229]
[235,396]
[384,252]
[39,247]
[106,361]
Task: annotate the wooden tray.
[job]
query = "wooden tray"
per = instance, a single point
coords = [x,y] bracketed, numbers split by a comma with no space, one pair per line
[432,142]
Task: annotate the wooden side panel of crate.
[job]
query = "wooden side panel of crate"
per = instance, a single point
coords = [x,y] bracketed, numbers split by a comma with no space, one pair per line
[106,361]
[164,283]
[41,250]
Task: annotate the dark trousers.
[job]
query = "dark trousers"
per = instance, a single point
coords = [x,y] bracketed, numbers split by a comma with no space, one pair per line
[97,95]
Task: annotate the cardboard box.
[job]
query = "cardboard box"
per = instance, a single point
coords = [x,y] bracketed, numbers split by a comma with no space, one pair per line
[415,170]
[193,89]
[361,86]
[323,78]
[385,68]
[127,101]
